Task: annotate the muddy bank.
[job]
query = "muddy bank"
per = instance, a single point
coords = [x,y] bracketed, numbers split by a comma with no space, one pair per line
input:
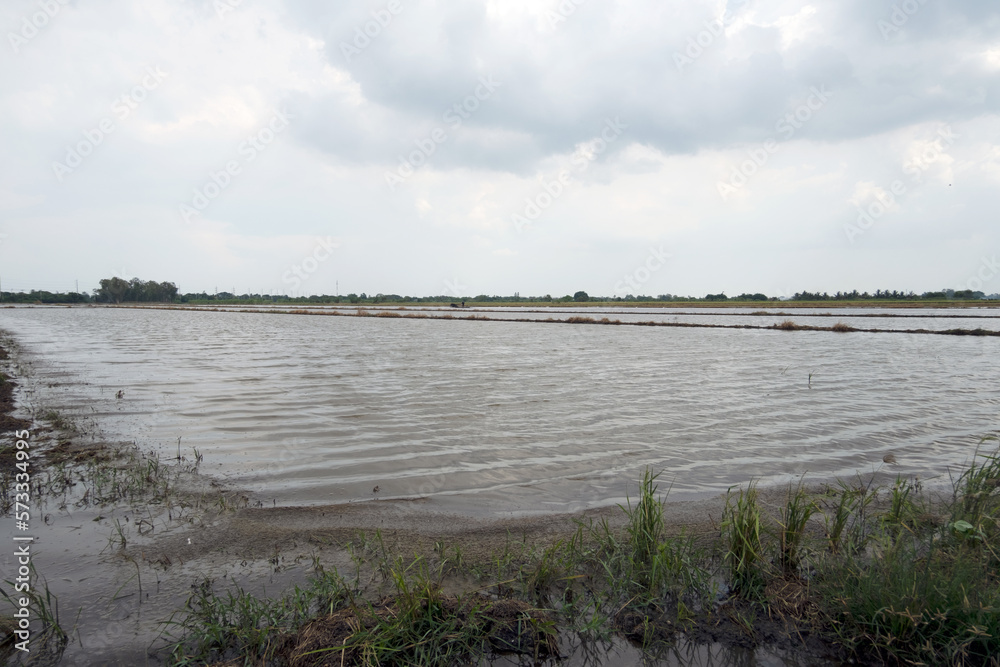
[8,423]
[414,527]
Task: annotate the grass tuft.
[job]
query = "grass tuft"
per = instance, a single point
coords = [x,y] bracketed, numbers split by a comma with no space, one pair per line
[977,492]
[792,525]
[742,528]
[787,325]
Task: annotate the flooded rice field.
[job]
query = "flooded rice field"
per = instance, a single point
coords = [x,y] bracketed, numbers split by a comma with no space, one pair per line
[507,418]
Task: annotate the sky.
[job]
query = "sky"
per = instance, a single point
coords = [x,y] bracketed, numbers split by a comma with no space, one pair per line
[423,147]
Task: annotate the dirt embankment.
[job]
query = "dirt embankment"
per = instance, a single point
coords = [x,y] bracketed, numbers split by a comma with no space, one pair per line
[9,424]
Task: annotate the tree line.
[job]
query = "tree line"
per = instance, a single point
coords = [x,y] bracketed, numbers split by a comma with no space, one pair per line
[118,290]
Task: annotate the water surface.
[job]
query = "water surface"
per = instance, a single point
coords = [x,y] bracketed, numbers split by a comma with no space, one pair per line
[499,417]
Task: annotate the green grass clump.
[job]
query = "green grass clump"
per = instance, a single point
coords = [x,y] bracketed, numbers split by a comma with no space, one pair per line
[417,625]
[237,624]
[792,526]
[645,521]
[977,493]
[916,602]
[903,510]
[915,591]
[647,565]
[837,521]
[420,625]
[742,529]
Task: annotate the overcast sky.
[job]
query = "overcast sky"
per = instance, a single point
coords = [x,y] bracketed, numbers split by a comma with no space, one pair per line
[498,146]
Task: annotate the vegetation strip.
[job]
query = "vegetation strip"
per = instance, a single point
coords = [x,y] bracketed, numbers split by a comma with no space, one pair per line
[589,311]
[851,572]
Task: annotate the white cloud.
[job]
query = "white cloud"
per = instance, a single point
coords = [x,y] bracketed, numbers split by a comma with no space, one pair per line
[655,183]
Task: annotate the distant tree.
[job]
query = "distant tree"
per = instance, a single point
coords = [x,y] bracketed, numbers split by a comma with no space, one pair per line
[112,290]
[810,296]
[117,290]
[581,296]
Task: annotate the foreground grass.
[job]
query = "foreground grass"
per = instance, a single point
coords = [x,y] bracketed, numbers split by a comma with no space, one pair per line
[916,592]
[876,575]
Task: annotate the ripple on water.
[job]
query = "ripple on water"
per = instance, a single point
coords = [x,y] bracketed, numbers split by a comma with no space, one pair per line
[512,417]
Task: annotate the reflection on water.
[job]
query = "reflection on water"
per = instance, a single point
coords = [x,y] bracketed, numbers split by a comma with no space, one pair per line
[577,651]
[493,416]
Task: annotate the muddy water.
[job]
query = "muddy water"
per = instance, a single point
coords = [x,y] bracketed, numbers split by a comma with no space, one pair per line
[894,319]
[510,418]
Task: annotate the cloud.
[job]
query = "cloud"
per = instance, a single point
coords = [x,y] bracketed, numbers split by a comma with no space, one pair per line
[412,99]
